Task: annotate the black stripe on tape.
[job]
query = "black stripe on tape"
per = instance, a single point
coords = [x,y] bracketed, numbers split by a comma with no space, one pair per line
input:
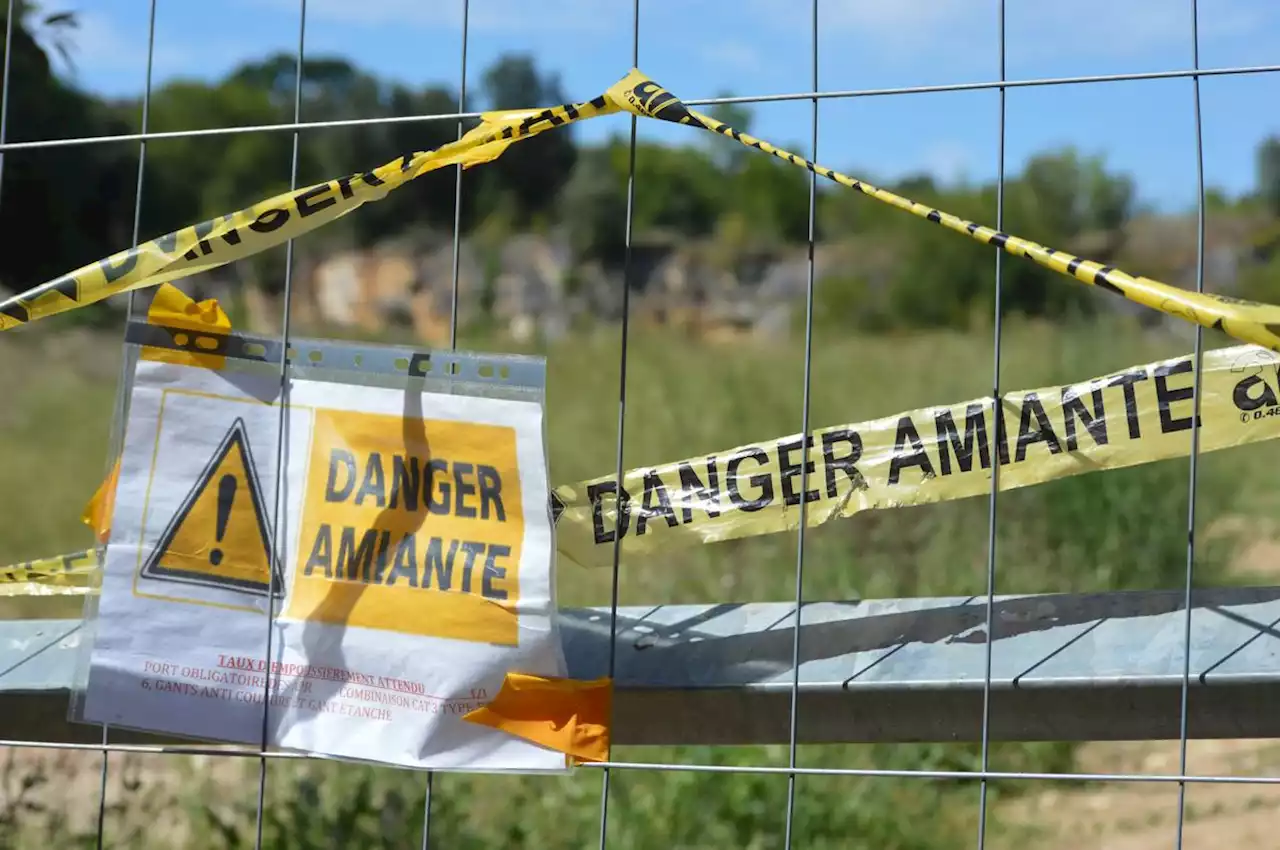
[1101,279]
[68,286]
[16,311]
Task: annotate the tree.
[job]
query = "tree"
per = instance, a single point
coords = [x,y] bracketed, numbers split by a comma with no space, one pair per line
[940,278]
[593,206]
[677,189]
[429,198]
[334,89]
[1269,173]
[1059,198]
[1074,194]
[195,177]
[62,207]
[50,30]
[324,78]
[531,174]
[729,155]
[770,198]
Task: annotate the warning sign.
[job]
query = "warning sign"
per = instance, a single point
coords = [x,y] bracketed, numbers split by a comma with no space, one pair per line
[204,481]
[219,536]
[418,533]
[406,534]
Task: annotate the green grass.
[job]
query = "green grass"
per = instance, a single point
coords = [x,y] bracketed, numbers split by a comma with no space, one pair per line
[1123,529]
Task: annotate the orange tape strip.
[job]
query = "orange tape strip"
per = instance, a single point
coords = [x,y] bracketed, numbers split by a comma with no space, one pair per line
[171,307]
[565,715]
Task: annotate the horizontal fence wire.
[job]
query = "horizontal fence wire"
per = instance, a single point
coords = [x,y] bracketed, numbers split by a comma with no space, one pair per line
[981,775]
[988,85]
[676,767]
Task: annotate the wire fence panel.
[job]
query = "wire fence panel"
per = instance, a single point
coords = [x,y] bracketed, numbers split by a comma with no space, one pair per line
[985,672]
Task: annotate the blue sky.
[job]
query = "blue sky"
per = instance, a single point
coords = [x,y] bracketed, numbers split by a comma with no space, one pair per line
[699,48]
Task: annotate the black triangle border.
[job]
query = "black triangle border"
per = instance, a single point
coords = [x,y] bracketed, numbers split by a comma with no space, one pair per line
[153,569]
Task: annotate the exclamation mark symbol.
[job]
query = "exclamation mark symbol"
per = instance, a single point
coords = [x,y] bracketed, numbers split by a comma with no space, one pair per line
[226,495]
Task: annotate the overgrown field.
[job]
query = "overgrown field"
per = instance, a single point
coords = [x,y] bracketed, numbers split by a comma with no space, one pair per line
[1106,531]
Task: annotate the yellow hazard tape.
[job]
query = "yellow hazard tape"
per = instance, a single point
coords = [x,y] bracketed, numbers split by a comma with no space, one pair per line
[71,574]
[207,245]
[917,457]
[1127,418]
[1247,321]
[271,222]
[934,454]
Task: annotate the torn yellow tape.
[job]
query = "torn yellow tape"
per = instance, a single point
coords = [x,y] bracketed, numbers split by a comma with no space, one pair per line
[72,573]
[235,236]
[271,222]
[1247,321]
[918,457]
[933,454]
[97,514]
[173,308]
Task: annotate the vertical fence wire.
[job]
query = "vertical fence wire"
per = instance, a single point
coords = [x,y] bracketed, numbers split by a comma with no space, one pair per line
[997,412]
[282,425]
[457,190]
[122,399]
[622,505]
[1194,467]
[806,440]
[453,318]
[793,770]
[4,95]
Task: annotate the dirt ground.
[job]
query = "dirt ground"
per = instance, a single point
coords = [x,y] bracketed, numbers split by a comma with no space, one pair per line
[1144,815]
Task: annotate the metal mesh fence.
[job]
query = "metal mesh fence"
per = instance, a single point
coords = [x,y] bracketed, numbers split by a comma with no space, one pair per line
[785,765]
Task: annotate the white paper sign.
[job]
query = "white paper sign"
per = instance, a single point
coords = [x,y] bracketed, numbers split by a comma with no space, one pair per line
[416,569]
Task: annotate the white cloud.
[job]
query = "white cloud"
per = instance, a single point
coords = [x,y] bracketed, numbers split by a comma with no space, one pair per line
[1130,27]
[732,55]
[950,162]
[950,29]
[490,16]
[98,43]
[896,22]
[101,48]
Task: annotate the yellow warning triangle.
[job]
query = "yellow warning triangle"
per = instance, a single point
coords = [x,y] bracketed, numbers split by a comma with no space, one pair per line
[219,536]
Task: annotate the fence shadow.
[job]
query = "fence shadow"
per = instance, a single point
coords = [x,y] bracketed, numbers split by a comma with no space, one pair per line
[325,629]
[681,654]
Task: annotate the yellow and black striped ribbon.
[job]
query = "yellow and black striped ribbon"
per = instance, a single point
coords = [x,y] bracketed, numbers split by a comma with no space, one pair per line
[1246,321]
[71,570]
[273,221]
